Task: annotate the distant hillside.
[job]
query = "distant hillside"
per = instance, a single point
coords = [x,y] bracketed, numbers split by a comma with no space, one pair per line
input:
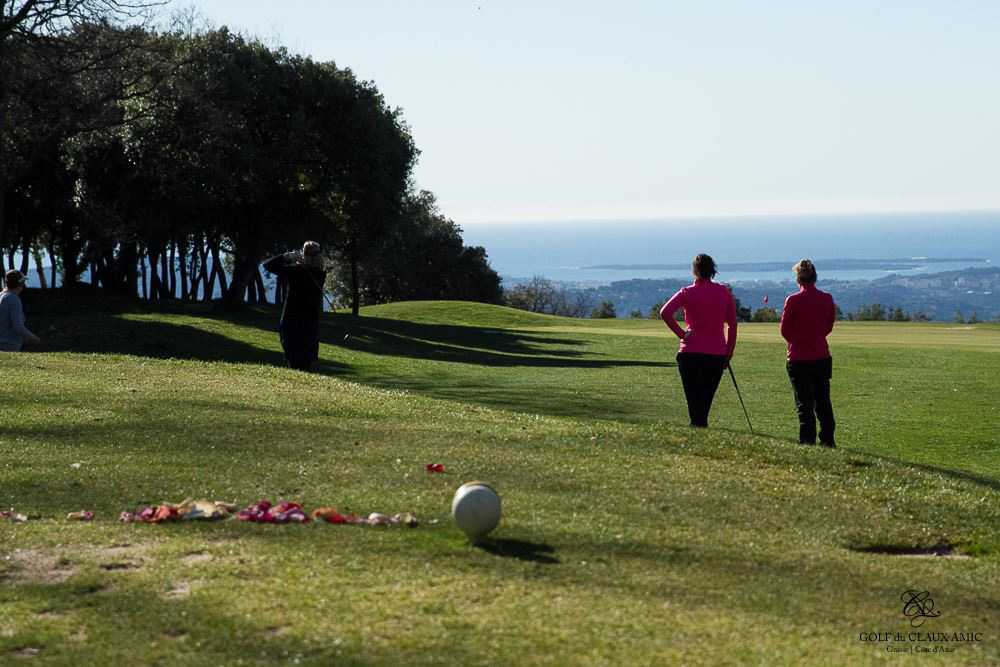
[898,264]
[939,295]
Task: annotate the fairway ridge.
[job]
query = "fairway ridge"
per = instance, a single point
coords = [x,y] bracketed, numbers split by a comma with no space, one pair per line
[626,536]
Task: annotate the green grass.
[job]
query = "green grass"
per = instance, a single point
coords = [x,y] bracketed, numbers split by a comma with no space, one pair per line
[627,538]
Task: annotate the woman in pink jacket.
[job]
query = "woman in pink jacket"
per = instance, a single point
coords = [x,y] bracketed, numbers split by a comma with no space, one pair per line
[705,348]
[806,321]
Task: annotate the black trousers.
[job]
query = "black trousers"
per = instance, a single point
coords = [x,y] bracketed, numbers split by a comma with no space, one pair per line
[300,341]
[811,388]
[700,375]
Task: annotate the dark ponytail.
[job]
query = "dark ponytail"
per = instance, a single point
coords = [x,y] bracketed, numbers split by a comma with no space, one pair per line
[703,266]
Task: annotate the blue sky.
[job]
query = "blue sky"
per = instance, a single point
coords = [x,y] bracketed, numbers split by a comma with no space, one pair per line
[552,110]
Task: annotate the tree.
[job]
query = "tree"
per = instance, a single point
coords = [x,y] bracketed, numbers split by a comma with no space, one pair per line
[742,312]
[973,319]
[873,313]
[604,310]
[140,155]
[765,314]
[899,316]
[51,49]
[541,295]
[362,192]
[636,314]
[654,310]
[423,258]
[959,317]
[535,296]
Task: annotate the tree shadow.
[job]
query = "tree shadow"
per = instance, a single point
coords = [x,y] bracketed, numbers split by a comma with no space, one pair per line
[102,326]
[983,480]
[97,322]
[533,552]
[481,346]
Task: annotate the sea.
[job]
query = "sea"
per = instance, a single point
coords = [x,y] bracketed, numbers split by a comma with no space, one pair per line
[581,253]
[570,252]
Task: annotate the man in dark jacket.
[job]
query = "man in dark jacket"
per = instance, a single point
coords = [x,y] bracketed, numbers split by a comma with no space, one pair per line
[304,274]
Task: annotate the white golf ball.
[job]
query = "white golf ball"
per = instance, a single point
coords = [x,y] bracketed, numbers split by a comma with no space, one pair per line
[476,509]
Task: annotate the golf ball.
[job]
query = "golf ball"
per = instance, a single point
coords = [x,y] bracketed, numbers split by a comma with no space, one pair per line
[476,509]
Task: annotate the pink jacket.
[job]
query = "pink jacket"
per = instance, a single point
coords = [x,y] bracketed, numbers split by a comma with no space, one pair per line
[707,306]
[806,321]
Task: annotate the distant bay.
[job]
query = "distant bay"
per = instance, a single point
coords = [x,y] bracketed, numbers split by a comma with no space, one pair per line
[582,252]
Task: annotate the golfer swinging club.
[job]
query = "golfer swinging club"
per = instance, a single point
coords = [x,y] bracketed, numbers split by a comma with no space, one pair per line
[705,349]
[806,320]
[299,326]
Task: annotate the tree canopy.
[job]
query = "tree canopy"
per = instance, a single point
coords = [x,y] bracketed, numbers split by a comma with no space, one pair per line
[145,159]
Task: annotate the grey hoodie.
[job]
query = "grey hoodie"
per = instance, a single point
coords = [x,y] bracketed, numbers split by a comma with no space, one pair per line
[12,329]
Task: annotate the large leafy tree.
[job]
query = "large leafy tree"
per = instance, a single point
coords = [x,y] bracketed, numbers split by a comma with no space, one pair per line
[424,257]
[52,48]
[364,177]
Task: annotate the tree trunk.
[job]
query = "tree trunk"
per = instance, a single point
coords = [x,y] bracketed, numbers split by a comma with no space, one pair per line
[71,267]
[173,269]
[165,271]
[142,269]
[154,278]
[37,255]
[218,268]
[98,275]
[193,265]
[182,253]
[25,254]
[52,258]
[3,196]
[207,279]
[261,289]
[241,279]
[129,265]
[203,274]
[355,287]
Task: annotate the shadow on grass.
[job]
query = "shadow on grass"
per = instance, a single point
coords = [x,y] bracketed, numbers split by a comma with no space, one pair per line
[89,321]
[148,625]
[97,324]
[520,549]
[482,346]
[983,480]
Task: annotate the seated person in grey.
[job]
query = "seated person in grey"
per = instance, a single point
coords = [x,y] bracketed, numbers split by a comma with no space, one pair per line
[12,330]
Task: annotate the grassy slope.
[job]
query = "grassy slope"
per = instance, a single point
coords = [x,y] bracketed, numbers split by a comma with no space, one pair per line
[899,390]
[624,538]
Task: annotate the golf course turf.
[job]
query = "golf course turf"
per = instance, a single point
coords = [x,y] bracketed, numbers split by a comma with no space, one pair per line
[626,537]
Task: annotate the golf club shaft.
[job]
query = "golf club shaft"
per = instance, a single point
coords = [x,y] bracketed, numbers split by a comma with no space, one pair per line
[321,291]
[737,387]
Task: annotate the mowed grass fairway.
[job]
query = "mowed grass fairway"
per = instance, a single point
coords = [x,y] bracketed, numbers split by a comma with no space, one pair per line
[627,538]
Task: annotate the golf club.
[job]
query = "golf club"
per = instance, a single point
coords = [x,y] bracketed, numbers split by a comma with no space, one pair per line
[745,413]
[327,299]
